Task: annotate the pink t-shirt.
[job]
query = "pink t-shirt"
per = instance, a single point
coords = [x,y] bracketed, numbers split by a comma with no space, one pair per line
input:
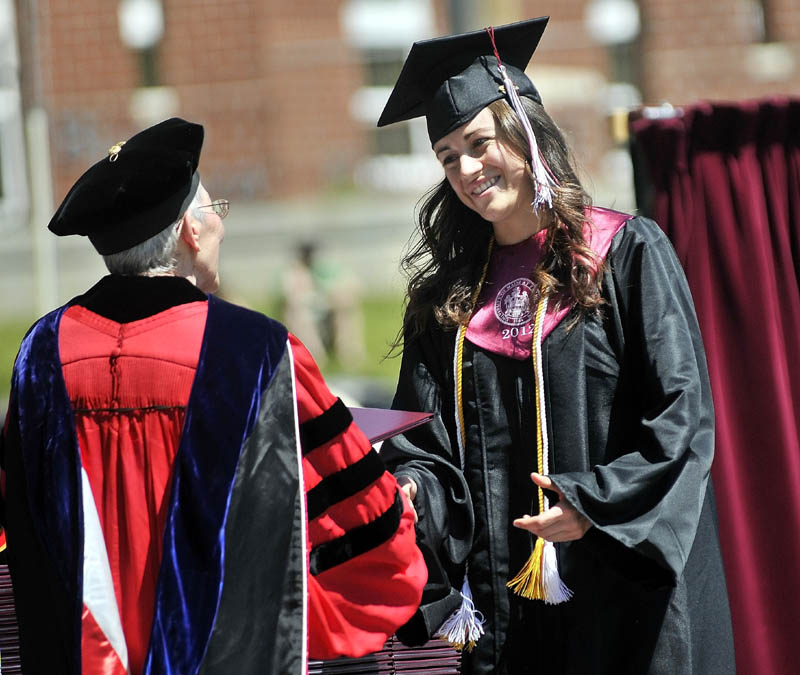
[503,323]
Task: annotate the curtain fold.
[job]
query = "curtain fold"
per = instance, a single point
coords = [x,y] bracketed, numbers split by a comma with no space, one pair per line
[723,181]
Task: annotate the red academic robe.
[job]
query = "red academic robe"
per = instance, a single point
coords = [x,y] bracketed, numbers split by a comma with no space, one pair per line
[129,432]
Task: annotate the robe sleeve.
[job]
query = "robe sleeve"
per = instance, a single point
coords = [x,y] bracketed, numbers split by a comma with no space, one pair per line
[3,435]
[366,573]
[429,456]
[650,495]
[8,434]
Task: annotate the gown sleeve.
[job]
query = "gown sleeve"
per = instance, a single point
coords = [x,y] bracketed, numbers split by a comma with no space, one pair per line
[8,435]
[366,573]
[429,456]
[4,433]
[649,495]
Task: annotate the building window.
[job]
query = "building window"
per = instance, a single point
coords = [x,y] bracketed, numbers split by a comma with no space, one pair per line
[381,70]
[382,66]
[13,172]
[763,23]
[381,32]
[392,140]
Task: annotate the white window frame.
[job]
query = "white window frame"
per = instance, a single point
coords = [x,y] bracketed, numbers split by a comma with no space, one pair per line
[14,195]
[390,24]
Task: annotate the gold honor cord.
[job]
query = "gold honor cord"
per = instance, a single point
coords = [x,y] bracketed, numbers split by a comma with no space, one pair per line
[462,439]
[459,356]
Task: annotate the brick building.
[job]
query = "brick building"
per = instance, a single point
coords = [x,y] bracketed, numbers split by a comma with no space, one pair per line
[278,84]
[269,80]
[290,92]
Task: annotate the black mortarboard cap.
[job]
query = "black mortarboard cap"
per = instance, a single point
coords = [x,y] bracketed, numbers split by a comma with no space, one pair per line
[143,186]
[451,79]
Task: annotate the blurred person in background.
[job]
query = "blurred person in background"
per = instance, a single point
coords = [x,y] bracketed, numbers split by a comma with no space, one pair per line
[563,495]
[181,491]
[322,306]
[305,307]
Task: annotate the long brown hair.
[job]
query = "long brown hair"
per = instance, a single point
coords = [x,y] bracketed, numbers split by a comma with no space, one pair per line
[446,256]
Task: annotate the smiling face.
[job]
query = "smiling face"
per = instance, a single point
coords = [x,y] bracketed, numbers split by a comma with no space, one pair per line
[489,178]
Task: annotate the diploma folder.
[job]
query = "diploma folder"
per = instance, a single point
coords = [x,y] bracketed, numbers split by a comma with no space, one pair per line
[378,424]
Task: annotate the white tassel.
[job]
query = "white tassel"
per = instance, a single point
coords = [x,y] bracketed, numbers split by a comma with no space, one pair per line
[543,181]
[555,590]
[465,626]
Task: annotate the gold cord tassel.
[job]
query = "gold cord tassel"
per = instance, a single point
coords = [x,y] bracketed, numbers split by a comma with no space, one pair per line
[528,582]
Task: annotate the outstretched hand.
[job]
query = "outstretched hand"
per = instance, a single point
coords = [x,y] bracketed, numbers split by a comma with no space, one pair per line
[409,489]
[561,522]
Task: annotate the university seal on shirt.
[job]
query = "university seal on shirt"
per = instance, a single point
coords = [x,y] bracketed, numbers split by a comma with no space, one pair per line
[513,305]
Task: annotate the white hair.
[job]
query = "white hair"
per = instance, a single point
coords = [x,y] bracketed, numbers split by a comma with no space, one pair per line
[156,255]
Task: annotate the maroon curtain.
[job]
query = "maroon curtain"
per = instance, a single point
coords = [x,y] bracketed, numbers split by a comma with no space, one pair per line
[723,181]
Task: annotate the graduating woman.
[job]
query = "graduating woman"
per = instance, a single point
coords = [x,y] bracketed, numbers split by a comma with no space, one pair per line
[562,492]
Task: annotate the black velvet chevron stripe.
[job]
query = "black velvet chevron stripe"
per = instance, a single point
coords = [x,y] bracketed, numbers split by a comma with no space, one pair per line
[358,540]
[325,427]
[343,484]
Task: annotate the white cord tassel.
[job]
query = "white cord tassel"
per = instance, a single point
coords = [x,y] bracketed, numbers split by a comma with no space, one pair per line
[555,590]
[543,181]
[465,626]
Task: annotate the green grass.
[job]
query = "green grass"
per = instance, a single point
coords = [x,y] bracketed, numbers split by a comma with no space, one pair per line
[382,317]
[11,334]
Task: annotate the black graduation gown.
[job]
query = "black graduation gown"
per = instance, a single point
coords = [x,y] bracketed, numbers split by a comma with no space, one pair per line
[631,428]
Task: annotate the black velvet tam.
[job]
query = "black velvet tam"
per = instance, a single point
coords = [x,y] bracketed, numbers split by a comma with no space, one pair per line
[141,188]
[451,79]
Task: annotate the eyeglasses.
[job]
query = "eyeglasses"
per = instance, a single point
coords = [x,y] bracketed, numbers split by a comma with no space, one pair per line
[220,207]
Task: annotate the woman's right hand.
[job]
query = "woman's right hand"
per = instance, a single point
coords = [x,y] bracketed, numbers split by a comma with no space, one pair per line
[409,488]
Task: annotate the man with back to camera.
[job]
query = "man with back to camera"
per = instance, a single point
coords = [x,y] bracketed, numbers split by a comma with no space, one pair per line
[153,450]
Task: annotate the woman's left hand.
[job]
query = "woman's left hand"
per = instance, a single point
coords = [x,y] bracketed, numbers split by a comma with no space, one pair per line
[561,522]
